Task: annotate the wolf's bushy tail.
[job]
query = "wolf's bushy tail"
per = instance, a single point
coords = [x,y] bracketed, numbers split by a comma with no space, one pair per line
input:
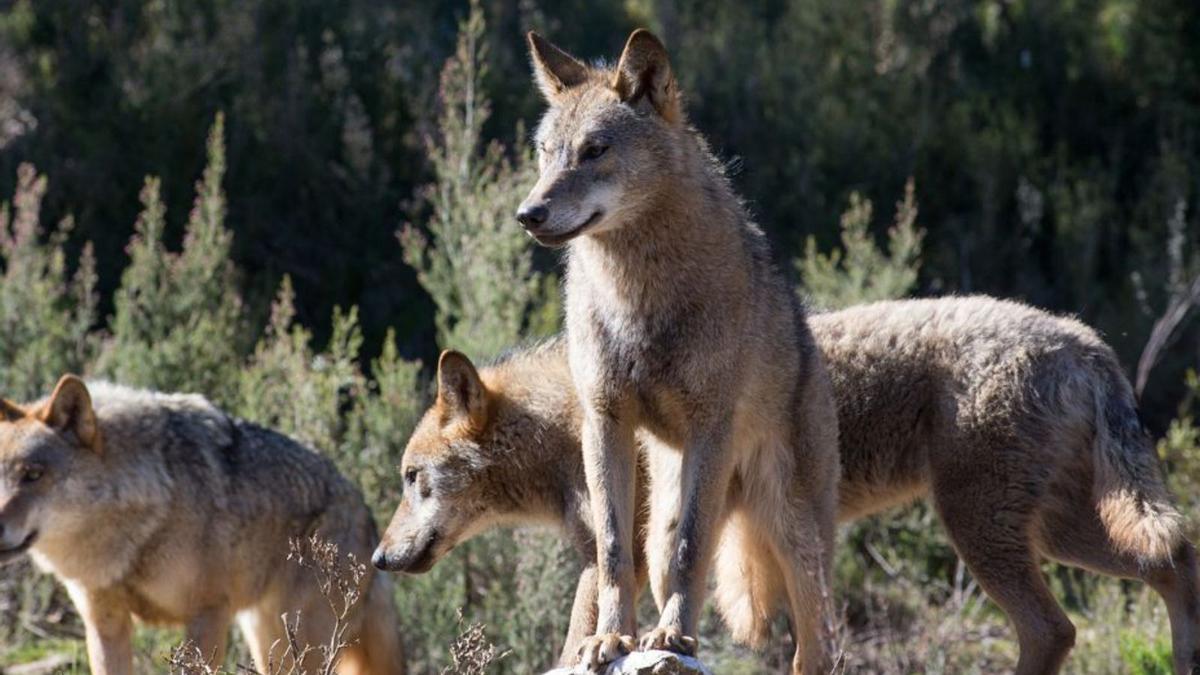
[1131,498]
[749,587]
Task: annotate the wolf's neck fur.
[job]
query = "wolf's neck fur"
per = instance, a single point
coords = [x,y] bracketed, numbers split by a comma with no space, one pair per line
[537,467]
[690,237]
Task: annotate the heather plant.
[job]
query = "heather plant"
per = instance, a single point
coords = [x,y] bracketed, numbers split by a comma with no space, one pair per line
[860,271]
[178,324]
[46,311]
[287,385]
[324,399]
[470,256]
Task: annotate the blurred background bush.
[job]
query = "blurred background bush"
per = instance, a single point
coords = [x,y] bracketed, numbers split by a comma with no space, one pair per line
[351,213]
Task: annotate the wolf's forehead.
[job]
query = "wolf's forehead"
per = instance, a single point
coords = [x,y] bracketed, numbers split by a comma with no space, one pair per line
[590,110]
[17,437]
[428,440]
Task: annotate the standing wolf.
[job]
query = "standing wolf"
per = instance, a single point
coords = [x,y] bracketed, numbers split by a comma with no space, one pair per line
[164,508]
[679,331]
[1017,424]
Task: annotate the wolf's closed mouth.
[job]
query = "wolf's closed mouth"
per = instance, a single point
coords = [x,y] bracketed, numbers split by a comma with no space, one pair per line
[10,553]
[559,239]
[425,559]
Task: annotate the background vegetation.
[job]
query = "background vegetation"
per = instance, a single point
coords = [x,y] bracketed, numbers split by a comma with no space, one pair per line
[1045,151]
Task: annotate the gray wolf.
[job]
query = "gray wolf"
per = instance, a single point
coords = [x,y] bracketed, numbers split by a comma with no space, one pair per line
[1017,424]
[162,507]
[680,332]
[499,447]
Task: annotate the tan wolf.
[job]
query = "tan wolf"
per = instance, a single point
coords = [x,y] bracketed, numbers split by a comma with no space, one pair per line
[682,333]
[499,447]
[162,507]
[1018,424]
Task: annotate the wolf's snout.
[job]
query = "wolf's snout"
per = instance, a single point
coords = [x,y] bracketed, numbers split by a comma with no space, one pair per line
[379,558]
[533,217]
[412,557]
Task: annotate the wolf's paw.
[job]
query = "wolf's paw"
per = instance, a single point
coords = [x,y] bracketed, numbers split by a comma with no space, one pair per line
[598,651]
[670,639]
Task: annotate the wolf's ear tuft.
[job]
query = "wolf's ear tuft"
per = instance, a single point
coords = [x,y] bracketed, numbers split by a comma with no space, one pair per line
[644,73]
[556,71]
[461,393]
[70,410]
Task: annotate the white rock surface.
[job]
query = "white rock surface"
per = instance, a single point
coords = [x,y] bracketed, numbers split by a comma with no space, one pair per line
[645,663]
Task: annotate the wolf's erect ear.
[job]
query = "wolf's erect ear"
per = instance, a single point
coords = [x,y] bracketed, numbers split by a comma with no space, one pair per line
[556,71]
[644,74]
[9,411]
[70,410]
[461,393]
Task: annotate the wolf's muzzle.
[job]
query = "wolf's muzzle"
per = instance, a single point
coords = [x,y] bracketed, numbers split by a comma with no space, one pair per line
[533,217]
[419,563]
[12,553]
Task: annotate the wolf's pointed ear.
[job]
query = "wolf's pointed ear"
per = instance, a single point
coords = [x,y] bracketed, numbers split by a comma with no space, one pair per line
[556,71]
[9,411]
[70,410]
[644,73]
[461,394]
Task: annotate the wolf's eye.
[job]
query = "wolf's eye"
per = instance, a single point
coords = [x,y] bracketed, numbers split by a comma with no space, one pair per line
[410,476]
[593,151]
[32,474]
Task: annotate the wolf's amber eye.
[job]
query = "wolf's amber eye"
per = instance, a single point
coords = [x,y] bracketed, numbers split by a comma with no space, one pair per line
[593,151]
[32,474]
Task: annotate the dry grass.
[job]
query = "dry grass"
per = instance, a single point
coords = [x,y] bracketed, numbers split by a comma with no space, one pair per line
[339,579]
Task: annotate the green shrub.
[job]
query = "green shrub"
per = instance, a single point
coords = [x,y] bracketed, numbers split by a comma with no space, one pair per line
[324,399]
[178,324]
[859,271]
[471,257]
[1146,655]
[46,313]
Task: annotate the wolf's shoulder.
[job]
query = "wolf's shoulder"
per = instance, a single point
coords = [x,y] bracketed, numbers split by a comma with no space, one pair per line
[142,418]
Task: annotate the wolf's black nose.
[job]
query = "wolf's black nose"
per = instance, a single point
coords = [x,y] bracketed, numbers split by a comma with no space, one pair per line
[533,216]
[379,559]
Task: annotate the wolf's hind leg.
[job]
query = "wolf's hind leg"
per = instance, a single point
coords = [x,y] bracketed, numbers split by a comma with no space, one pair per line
[989,518]
[209,632]
[1074,535]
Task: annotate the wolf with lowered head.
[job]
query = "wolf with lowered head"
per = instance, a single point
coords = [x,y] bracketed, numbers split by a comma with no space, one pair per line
[162,507]
[682,335]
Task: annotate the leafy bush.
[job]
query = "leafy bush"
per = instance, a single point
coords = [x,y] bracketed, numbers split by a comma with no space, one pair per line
[859,271]
[46,314]
[475,262]
[178,322]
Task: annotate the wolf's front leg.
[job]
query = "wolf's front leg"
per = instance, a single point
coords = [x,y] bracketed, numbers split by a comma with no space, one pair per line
[109,629]
[704,481]
[611,467]
[583,615]
[665,468]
